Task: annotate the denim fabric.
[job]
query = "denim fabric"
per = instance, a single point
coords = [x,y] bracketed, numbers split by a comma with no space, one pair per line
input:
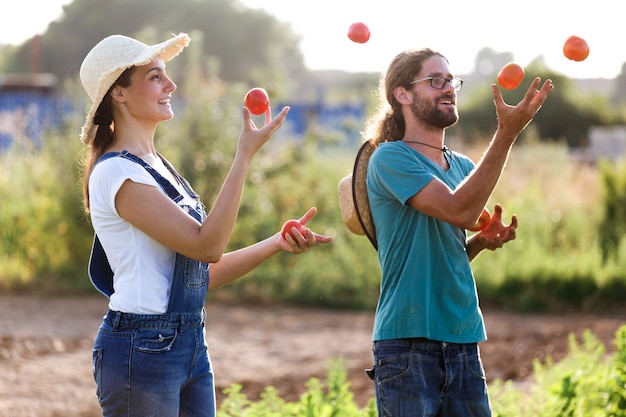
[420,378]
[158,364]
[159,369]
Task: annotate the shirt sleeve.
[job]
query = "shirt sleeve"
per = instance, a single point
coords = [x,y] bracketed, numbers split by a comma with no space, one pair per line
[108,177]
[398,173]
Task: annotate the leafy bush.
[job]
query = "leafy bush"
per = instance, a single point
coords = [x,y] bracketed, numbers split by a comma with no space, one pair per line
[585,383]
[44,235]
[555,262]
[613,224]
[333,399]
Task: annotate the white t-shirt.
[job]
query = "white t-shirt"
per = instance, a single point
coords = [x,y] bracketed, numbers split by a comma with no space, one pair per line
[142,267]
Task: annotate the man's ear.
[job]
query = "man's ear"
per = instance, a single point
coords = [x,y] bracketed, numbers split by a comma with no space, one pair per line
[402,95]
[117,94]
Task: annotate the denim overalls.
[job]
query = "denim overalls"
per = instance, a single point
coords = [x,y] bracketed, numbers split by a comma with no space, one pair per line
[155,364]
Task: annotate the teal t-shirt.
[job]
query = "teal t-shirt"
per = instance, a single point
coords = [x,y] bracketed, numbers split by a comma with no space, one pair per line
[427,287]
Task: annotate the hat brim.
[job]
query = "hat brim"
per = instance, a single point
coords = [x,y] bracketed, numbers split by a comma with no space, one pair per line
[359,191]
[353,198]
[347,208]
[165,50]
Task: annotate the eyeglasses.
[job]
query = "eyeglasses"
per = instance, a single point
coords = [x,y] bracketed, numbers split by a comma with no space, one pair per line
[440,82]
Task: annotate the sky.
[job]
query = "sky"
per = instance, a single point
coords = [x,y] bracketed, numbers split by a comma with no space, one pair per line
[458,29]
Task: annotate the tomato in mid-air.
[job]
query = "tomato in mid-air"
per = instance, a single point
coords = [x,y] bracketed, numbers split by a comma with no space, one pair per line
[511,76]
[359,32]
[257,100]
[482,222]
[576,48]
[289,224]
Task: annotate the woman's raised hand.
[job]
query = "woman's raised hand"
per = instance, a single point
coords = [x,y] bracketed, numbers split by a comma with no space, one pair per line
[252,138]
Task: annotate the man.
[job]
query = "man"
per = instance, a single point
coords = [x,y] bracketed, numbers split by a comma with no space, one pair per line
[423,197]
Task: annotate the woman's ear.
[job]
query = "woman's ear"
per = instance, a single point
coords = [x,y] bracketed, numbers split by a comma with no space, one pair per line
[117,94]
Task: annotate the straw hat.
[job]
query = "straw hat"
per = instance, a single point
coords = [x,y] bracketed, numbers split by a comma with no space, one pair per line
[110,58]
[353,200]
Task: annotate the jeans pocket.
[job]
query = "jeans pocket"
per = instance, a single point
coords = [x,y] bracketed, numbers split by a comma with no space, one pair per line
[196,274]
[96,370]
[154,340]
[477,370]
[392,367]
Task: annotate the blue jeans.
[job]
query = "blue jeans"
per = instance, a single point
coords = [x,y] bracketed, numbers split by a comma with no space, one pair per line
[420,378]
[142,361]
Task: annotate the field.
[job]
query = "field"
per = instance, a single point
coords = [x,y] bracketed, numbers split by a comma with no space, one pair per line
[45,346]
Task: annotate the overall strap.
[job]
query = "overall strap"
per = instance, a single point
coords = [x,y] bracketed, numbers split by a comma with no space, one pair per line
[180,178]
[167,186]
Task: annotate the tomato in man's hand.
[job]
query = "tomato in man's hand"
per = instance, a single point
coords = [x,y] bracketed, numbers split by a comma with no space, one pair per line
[496,228]
[289,224]
[482,222]
[511,76]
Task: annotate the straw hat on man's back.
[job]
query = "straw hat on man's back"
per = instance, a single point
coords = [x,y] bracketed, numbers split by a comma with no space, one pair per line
[353,199]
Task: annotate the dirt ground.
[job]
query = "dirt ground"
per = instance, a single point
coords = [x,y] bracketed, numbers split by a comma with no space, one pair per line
[45,349]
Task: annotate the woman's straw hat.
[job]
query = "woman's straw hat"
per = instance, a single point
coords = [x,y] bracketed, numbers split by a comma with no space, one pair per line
[110,58]
[353,200]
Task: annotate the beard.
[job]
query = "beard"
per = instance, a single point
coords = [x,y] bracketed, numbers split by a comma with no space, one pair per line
[428,114]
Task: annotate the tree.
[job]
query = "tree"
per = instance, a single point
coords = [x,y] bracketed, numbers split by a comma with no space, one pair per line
[249,45]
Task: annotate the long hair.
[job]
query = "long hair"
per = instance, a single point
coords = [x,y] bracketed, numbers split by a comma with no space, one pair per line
[104,133]
[388,124]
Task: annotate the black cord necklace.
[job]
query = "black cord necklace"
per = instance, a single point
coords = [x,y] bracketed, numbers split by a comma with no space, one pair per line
[444,149]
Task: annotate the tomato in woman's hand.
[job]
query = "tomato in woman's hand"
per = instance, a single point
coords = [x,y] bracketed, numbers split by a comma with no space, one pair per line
[482,222]
[289,224]
[359,32]
[576,48]
[257,100]
[511,76]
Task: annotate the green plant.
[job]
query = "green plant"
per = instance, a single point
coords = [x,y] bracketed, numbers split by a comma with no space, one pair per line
[555,262]
[585,383]
[613,224]
[43,230]
[331,400]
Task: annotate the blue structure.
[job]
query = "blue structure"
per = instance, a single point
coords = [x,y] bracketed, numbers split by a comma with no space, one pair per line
[29,105]
[346,118]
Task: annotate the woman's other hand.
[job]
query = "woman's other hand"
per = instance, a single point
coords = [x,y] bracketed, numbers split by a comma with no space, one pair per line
[299,242]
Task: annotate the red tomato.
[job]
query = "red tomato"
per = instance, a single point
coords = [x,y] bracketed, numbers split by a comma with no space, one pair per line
[359,32]
[257,100]
[511,76]
[576,48]
[482,222]
[494,227]
[289,224]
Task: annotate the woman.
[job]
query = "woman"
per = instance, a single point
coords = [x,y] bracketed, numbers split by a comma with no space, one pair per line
[153,240]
